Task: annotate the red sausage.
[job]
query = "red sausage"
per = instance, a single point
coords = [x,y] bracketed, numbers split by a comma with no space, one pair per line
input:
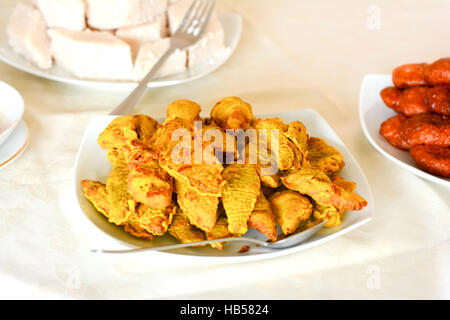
[409,75]
[435,160]
[438,72]
[438,99]
[413,101]
[390,130]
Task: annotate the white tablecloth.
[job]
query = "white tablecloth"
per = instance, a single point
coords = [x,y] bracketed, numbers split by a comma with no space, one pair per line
[293,54]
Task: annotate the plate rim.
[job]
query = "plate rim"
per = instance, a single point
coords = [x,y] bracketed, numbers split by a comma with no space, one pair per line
[158,83]
[416,171]
[266,255]
[21,149]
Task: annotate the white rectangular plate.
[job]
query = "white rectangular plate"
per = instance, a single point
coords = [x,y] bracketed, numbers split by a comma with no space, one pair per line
[373,112]
[91,163]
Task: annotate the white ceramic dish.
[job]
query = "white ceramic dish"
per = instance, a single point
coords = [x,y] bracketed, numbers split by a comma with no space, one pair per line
[373,112]
[232,24]
[11,110]
[15,145]
[91,163]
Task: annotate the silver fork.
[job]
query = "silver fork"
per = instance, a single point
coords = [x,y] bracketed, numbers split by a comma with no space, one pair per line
[188,32]
[287,242]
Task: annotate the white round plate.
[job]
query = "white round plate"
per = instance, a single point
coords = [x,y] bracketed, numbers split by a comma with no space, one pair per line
[373,112]
[12,108]
[232,25]
[15,145]
[91,163]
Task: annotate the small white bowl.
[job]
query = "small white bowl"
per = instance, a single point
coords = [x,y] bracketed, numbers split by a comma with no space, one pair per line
[12,108]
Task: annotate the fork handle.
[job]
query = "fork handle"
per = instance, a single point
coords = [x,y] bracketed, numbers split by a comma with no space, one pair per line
[126,107]
[184,245]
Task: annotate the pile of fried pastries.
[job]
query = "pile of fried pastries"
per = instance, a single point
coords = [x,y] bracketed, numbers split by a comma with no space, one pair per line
[421,97]
[149,194]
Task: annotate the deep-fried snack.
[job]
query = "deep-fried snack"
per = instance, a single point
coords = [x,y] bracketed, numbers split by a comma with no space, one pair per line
[263,219]
[290,208]
[183,231]
[269,180]
[203,177]
[391,129]
[151,185]
[122,204]
[219,231]
[427,128]
[432,159]
[414,101]
[323,211]
[287,157]
[201,210]
[239,195]
[97,194]
[324,157]
[417,100]
[155,221]
[133,227]
[232,113]
[296,133]
[438,99]
[184,109]
[318,186]
[409,75]
[438,72]
[126,131]
[391,97]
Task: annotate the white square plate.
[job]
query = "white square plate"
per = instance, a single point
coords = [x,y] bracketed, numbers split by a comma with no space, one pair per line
[232,25]
[373,112]
[91,163]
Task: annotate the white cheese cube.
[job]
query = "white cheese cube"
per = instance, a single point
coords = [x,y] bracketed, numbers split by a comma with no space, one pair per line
[211,43]
[69,14]
[144,33]
[27,35]
[108,15]
[150,53]
[92,54]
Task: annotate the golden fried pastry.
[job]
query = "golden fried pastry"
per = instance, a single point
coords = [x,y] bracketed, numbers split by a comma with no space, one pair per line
[124,131]
[183,231]
[287,158]
[232,113]
[184,109]
[155,221]
[290,208]
[327,211]
[268,180]
[219,231]
[96,193]
[296,132]
[324,157]
[239,196]
[201,210]
[151,185]
[122,204]
[318,186]
[133,227]
[205,178]
[263,219]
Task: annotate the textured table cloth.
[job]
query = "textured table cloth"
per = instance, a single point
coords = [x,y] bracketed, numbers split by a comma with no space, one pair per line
[293,54]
